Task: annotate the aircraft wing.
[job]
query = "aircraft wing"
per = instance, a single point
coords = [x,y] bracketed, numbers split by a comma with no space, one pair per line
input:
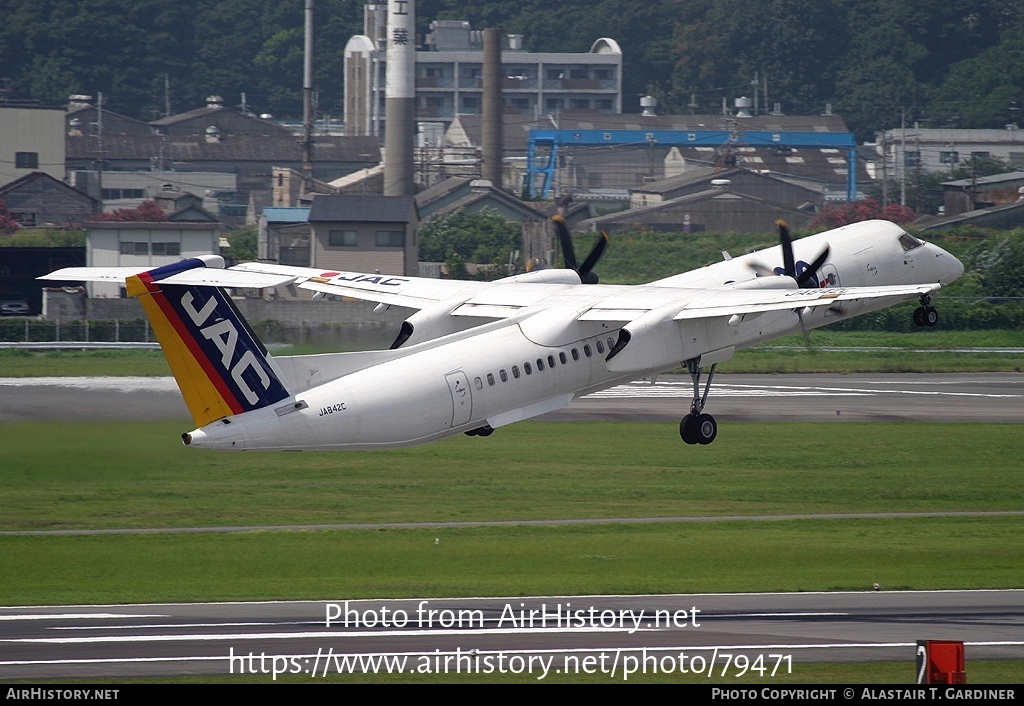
[680,304]
[411,292]
[750,302]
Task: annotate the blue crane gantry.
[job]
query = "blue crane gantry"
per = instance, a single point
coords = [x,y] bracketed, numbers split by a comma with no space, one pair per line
[553,139]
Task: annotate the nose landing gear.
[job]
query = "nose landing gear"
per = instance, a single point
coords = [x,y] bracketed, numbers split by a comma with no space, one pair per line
[926,315]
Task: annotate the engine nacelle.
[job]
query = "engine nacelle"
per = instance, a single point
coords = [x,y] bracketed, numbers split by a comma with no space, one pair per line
[546,277]
[650,341]
[436,321]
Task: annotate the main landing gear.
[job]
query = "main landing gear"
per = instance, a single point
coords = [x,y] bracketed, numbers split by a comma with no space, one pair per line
[697,427]
[926,315]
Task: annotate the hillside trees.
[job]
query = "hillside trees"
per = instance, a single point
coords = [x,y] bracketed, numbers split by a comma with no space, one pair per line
[957,63]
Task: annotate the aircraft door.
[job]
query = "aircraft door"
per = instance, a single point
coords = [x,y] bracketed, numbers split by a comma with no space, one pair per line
[869,269]
[462,397]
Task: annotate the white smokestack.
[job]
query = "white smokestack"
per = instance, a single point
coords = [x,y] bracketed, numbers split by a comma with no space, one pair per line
[400,99]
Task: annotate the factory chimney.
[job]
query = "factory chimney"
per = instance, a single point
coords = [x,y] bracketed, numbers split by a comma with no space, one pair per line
[493,117]
[400,99]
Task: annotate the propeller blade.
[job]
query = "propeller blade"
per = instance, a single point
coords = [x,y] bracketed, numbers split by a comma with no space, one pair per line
[788,264]
[586,269]
[805,277]
[568,252]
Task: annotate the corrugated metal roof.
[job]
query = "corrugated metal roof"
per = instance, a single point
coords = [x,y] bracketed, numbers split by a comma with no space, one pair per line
[376,209]
[239,148]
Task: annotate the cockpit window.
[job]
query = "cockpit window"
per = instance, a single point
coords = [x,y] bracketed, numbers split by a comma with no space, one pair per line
[909,242]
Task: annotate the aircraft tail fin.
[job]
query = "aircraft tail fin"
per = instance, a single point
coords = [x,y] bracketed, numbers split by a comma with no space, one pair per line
[220,365]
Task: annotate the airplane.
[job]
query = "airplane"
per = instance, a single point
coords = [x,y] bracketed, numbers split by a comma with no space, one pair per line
[476,356]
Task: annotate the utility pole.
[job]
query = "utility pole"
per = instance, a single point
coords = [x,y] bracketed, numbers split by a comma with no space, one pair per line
[99,147]
[307,103]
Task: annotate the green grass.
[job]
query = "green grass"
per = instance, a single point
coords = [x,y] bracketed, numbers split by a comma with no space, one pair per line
[82,363]
[728,556]
[116,475]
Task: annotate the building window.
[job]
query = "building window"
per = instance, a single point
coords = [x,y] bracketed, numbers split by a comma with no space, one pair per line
[110,194]
[132,248]
[390,239]
[342,238]
[949,157]
[911,158]
[553,104]
[603,104]
[26,160]
[579,104]
[166,248]
[981,155]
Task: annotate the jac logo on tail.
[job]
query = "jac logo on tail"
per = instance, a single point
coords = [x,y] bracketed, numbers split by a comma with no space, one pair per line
[223,334]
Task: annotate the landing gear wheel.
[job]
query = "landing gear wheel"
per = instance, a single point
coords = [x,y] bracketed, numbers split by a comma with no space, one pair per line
[930,317]
[688,428]
[919,316]
[706,429]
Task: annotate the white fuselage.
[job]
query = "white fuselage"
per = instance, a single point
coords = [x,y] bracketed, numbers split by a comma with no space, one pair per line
[543,357]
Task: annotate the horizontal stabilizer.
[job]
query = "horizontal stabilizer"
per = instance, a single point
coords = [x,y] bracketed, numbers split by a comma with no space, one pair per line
[206,276]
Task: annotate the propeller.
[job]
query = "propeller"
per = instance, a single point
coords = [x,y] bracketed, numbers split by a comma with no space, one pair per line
[586,270]
[804,279]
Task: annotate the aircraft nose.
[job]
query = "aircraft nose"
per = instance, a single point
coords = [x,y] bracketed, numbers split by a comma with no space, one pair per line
[954,269]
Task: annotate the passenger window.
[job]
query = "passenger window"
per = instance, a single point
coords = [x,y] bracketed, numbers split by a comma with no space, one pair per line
[503,375]
[611,343]
[586,350]
[478,383]
[490,379]
[600,346]
[561,357]
[540,364]
[551,361]
[515,371]
[575,354]
[527,369]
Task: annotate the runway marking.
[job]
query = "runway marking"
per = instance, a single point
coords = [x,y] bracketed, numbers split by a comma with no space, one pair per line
[319,634]
[684,389]
[116,384]
[160,626]
[78,616]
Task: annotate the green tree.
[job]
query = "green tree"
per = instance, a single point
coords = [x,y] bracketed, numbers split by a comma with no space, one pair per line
[243,245]
[483,238]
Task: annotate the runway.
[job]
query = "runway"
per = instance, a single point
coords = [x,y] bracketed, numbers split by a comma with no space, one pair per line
[544,636]
[951,397]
